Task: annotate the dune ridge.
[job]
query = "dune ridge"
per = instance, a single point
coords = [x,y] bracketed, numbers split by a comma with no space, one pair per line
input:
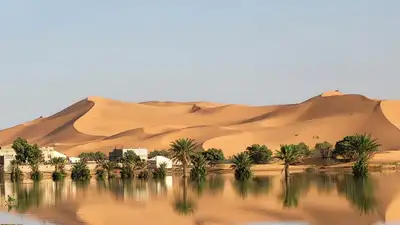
[100,124]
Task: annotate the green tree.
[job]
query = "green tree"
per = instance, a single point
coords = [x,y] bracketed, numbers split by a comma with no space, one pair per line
[325,148]
[21,148]
[131,157]
[241,164]
[304,150]
[80,171]
[198,172]
[289,154]
[99,157]
[344,149]
[155,153]
[260,154]
[213,156]
[182,150]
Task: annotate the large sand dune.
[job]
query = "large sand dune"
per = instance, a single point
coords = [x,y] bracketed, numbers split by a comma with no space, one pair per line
[100,124]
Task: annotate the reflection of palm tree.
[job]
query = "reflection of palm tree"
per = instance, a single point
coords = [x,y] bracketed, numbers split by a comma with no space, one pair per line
[199,186]
[216,183]
[58,190]
[325,183]
[242,187]
[184,205]
[359,192]
[255,186]
[293,188]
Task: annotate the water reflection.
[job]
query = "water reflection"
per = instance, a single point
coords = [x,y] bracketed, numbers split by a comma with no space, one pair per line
[190,199]
[183,204]
[359,192]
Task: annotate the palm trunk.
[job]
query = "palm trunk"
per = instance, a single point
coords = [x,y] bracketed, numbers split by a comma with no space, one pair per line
[286,172]
[184,170]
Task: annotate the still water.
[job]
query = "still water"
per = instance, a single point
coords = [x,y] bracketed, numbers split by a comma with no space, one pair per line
[307,198]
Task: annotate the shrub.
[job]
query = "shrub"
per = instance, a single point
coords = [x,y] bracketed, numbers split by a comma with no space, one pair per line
[259,154]
[325,148]
[143,175]
[100,174]
[36,175]
[213,156]
[57,176]
[80,171]
[126,171]
[161,172]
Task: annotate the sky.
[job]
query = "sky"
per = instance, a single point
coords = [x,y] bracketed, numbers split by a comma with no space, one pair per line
[256,52]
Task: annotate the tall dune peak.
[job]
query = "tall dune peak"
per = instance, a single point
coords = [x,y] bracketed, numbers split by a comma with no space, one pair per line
[331,93]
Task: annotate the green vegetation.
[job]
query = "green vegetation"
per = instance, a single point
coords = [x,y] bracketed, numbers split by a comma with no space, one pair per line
[366,147]
[107,167]
[143,172]
[182,151]
[260,154]
[198,172]
[15,172]
[31,154]
[289,154]
[93,156]
[213,156]
[59,164]
[242,164]
[154,153]
[183,204]
[80,171]
[161,172]
[325,148]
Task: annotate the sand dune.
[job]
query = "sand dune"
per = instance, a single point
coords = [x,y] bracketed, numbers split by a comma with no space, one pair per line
[100,124]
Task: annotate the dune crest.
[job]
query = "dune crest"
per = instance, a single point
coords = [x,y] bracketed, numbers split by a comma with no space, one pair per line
[99,124]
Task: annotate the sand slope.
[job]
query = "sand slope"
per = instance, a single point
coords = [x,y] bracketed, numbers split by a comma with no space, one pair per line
[100,124]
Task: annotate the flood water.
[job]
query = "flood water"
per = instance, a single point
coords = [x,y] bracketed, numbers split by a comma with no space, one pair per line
[307,198]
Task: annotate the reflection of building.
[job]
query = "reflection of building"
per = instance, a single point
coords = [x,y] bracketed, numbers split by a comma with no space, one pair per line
[118,153]
[156,161]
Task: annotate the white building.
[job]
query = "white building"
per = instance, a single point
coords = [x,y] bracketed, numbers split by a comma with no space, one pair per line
[74,159]
[49,152]
[156,161]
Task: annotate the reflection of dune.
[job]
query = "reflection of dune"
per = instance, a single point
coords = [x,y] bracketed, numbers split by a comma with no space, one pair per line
[100,124]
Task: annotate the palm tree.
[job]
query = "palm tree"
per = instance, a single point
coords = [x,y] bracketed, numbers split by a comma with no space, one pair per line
[366,147]
[242,164]
[182,150]
[108,166]
[15,172]
[289,154]
[58,163]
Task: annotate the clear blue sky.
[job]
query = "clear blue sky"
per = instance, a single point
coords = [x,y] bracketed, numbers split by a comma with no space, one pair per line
[53,53]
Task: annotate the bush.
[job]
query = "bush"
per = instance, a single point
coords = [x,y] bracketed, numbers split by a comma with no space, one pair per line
[325,148]
[100,174]
[80,171]
[143,175]
[304,150]
[259,154]
[36,175]
[344,149]
[161,172]
[213,156]
[126,172]
[57,176]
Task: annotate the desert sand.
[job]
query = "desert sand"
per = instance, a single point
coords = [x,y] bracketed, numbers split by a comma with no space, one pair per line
[100,124]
